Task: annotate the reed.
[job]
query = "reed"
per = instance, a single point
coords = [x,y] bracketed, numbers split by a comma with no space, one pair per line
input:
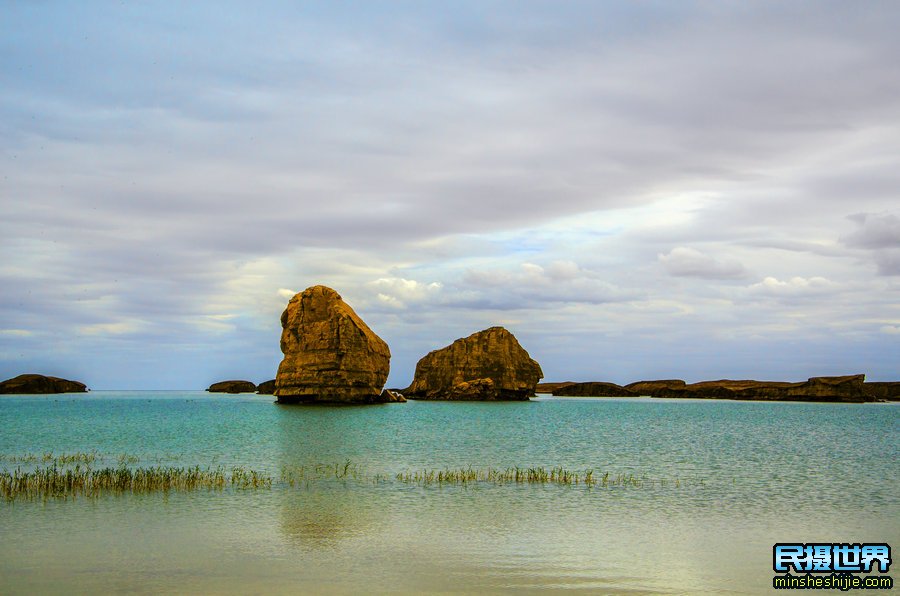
[64,459]
[73,474]
[55,482]
[516,475]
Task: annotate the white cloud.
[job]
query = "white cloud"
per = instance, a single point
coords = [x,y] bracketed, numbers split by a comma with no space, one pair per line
[796,286]
[400,293]
[683,261]
[536,286]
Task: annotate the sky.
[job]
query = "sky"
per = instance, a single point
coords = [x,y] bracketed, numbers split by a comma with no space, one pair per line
[637,190]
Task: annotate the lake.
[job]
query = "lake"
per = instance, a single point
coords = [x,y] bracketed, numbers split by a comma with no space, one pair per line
[698,493]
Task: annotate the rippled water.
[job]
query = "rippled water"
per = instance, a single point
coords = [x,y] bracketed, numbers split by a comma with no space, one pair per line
[721,482]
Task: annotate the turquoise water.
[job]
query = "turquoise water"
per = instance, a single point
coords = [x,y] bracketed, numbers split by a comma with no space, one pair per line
[721,482]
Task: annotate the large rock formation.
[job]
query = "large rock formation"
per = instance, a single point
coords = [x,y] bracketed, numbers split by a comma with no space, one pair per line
[330,354]
[488,365]
[594,389]
[232,387]
[34,384]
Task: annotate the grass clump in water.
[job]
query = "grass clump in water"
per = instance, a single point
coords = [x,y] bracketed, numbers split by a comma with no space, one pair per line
[517,475]
[55,482]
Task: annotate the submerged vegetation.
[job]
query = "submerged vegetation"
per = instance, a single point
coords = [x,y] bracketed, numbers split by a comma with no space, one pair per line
[540,475]
[64,476]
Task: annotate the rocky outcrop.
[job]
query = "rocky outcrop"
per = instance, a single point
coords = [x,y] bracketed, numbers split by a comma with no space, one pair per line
[39,384]
[330,354]
[882,390]
[266,387]
[594,389]
[232,387]
[551,387]
[830,389]
[488,365]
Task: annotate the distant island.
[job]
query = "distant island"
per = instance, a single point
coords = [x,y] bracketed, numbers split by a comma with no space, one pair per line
[40,385]
[232,387]
[850,389]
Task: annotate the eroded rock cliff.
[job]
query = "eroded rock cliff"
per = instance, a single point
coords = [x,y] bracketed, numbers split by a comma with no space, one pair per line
[488,365]
[330,354]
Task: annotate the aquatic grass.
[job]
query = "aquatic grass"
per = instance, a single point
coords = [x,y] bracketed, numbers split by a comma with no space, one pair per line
[49,457]
[73,475]
[518,475]
[79,457]
[55,482]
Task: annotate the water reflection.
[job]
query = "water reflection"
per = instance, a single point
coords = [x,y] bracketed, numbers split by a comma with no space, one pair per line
[317,519]
[317,445]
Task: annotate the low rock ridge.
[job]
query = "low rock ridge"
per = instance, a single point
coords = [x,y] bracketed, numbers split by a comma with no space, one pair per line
[594,389]
[330,355]
[40,384]
[850,388]
[232,387]
[883,390]
[489,365]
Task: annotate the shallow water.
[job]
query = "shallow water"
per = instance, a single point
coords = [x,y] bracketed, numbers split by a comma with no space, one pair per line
[721,482]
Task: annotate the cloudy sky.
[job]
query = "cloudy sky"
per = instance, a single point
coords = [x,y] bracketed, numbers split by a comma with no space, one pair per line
[637,190]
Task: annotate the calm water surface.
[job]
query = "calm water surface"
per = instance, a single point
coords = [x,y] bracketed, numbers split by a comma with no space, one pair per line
[722,482]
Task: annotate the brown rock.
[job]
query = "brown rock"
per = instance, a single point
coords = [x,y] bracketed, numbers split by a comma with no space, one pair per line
[594,389]
[883,390]
[266,387]
[661,388]
[39,384]
[330,354]
[831,389]
[488,365]
[232,387]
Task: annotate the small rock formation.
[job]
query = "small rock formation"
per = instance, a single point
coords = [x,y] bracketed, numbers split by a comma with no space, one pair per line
[330,354]
[39,384]
[266,387]
[488,365]
[232,387]
[594,389]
